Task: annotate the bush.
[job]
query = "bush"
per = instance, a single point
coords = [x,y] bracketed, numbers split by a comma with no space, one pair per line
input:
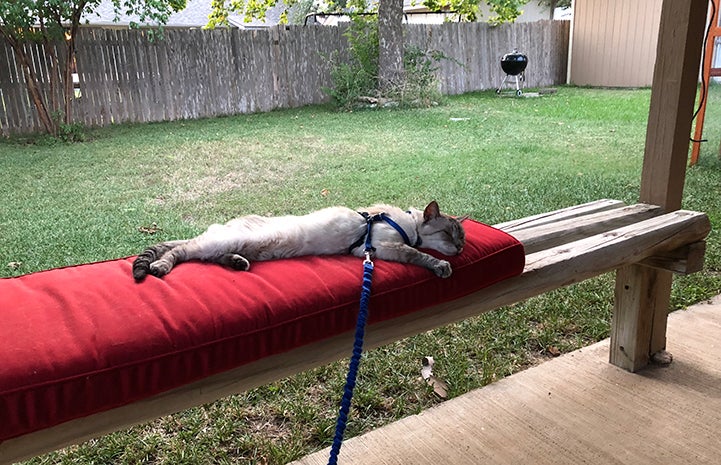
[355,80]
[358,76]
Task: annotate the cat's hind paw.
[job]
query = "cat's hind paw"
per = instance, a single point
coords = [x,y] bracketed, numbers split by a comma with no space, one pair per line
[442,269]
[159,268]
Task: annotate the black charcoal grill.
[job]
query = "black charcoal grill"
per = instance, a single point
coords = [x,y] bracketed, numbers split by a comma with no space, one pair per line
[514,65]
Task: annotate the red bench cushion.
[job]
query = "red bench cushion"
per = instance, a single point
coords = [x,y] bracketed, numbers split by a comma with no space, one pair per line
[79,340]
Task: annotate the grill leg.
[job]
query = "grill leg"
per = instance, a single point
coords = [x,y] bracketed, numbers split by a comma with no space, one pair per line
[508,79]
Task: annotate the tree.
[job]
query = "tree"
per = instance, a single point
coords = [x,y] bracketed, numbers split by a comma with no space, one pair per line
[390,19]
[54,25]
[502,11]
[390,43]
[553,4]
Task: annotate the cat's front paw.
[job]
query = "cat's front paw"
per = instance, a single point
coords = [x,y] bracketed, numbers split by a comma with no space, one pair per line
[442,269]
[159,268]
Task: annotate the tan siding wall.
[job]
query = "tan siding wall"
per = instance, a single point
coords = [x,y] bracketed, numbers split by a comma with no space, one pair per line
[614,42]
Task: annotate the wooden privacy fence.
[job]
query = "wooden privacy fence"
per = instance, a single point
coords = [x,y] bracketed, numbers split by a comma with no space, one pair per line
[125,77]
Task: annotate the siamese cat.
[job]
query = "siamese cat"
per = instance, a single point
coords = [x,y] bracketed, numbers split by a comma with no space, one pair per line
[395,236]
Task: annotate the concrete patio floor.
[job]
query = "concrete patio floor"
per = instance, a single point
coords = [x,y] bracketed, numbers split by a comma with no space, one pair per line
[575,409]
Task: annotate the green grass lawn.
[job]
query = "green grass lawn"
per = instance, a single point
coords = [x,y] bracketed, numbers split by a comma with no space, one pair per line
[492,158]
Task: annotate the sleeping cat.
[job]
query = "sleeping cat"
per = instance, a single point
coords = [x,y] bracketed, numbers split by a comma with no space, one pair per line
[330,231]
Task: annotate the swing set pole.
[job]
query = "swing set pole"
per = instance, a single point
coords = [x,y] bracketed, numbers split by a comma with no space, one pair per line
[708,71]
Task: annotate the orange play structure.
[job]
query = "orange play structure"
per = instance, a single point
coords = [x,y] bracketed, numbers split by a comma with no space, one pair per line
[708,72]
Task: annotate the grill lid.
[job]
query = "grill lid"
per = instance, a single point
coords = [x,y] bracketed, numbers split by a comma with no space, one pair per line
[514,63]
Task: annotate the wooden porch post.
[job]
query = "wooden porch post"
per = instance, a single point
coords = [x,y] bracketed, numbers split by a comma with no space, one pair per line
[642,294]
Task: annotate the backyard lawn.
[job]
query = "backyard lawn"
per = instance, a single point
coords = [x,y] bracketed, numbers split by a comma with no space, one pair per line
[492,158]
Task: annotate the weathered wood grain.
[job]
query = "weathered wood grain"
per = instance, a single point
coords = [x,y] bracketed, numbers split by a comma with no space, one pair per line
[127,77]
[559,215]
[568,230]
[643,295]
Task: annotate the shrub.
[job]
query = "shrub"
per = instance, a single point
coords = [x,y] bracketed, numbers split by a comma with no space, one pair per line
[355,80]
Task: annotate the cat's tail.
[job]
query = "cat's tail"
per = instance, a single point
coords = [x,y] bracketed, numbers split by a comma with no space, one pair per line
[141,265]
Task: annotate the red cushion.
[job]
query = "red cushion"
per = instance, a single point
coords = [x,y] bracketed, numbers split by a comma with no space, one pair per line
[79,340]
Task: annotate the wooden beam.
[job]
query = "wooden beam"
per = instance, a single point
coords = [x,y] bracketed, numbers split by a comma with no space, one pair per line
[643,294]
[545,235]
[545,270]
[673,95]
[638,307]
[686,260]
[557,215]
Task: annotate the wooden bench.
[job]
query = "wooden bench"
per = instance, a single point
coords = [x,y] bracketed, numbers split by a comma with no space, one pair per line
[562,247]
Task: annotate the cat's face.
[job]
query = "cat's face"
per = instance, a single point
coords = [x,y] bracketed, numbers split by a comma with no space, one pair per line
[444,234]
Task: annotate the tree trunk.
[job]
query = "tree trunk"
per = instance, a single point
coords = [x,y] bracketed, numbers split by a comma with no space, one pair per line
[552,8]
[390,43]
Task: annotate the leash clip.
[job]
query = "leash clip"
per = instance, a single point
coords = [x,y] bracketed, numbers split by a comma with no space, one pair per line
[368,258]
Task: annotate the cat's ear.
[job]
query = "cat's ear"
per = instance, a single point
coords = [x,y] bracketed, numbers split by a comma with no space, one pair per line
[431,211]
[461,219]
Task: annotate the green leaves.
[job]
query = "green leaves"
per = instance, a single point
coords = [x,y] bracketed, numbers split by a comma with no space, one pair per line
[503,10]
[20,19]
[54,23]
[468,10]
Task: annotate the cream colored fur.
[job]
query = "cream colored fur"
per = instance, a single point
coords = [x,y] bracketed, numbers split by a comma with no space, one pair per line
[330,231]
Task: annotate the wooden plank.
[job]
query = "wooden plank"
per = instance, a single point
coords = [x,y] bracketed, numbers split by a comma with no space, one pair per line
[672,101]
[549,235]
[226,88]
[243,52]
[6,81]
[635,297]
[109,83]
[27,113]
[265,76]
[156,86]
[176,75]
[545,270]
[558,215]
[165,75]
[134,97]
[88,68]
[686,260]
[641,313]
[125,68]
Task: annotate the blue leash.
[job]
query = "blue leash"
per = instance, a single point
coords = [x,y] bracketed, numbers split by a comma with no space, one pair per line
[359,334]
[354,363]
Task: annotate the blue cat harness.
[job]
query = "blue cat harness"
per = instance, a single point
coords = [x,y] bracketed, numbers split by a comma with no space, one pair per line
[366,238]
